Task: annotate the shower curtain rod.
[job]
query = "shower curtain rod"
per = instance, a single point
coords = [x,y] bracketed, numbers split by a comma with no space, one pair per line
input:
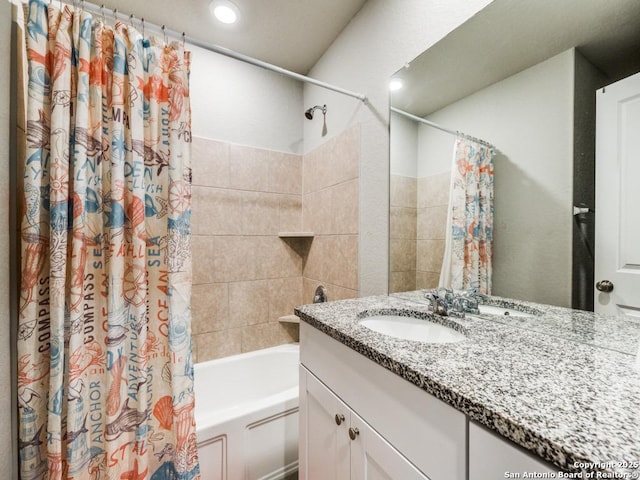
[99,10]
[435,125]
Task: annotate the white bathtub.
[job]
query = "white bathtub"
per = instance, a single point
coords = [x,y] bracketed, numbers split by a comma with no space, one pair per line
[247,415]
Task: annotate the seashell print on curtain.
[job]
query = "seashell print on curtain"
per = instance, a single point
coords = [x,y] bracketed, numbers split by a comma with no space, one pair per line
[467,262]
[105,372]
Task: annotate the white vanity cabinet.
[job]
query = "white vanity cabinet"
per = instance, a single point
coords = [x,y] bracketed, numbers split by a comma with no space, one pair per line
[491,457]
[403,432]
[337,444]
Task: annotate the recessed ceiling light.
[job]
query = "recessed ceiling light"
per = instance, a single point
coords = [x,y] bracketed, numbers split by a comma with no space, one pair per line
[224,11]
[395,84]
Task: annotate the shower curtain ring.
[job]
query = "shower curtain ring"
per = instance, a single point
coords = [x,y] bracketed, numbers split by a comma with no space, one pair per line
[164,34]
[183,39]
[115,14]
[131,20]
[104,19]
[142,22]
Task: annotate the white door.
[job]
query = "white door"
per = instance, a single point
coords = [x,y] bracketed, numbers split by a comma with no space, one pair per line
[618,198]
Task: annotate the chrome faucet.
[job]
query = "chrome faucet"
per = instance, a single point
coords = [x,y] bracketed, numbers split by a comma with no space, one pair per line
[436,304]
[445,302]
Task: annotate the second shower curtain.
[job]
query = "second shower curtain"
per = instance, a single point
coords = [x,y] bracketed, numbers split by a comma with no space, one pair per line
[468,256]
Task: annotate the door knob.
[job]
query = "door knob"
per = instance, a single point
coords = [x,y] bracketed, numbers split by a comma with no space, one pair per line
[339,418]
[604,286]
[353,433]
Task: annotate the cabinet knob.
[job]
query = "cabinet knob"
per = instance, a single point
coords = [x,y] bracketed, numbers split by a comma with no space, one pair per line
[339,418]
[353,433]
[604,286]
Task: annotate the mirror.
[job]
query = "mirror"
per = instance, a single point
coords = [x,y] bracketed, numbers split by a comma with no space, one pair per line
[522,76]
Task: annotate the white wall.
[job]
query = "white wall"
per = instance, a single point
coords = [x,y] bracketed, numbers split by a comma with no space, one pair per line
[403,146]
[6,452]
[240,103]
[529,118]
[379,40]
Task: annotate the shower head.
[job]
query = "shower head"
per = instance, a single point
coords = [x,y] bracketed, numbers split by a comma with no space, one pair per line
[309,112]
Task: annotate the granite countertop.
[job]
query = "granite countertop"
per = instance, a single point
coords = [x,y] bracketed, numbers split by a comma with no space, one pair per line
[564,384]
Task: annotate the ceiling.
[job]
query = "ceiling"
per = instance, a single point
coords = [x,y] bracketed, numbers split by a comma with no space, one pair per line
[509,36]
[291,34]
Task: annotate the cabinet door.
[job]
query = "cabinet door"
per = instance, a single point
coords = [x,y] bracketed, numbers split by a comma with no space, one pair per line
[324,438]
[373,458]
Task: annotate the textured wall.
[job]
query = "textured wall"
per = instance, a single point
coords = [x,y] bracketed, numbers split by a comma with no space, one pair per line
[236,102]
[529,118]
[380,39]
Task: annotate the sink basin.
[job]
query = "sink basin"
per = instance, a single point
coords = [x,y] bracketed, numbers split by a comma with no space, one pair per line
[409,328]
[502,311]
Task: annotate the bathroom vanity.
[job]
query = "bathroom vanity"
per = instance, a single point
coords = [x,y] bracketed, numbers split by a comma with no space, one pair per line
[555,390]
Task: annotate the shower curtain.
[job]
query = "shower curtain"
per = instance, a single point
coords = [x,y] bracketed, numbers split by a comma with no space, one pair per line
[105,373]
[468,255]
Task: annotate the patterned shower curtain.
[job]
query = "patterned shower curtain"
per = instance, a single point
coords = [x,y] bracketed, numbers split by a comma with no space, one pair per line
[105,373]
[468,253]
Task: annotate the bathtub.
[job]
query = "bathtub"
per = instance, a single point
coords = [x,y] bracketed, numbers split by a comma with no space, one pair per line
[247,415]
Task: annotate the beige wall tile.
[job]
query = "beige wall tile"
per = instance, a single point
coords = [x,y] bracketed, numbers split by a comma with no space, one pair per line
[290,210]
[402,281]
[342,263]
[210,307]
[345,156]
[434,190]
[264,335]
[210,162]
[336,292]
[403,191]
[209,346]
[248,303]
[277,258]
[260,213]
[254,258]
[402,222]
[234,258]
[309,286]
[402,255]
[429,255]
[427,280]
[344,208]
[317,215]
[249,168]
[284,295]
[432,223]
[216,211]
[317,167]
[202,251]
[285,173]
[245,277]
[315,260]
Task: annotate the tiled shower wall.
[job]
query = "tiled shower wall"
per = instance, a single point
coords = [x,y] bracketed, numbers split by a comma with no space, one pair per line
[417,224]
[433,204]
[331,211]
[244,275]
[403,233]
